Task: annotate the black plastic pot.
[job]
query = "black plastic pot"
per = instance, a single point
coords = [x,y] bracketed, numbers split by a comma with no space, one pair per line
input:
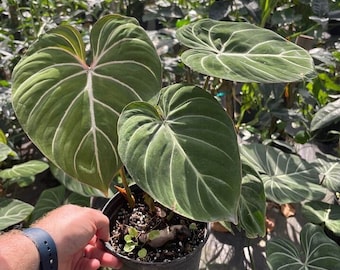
[189,262]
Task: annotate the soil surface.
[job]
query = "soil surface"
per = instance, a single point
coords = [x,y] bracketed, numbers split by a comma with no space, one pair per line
[187,234]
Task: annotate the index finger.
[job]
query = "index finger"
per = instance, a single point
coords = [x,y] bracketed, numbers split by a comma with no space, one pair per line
[102,225]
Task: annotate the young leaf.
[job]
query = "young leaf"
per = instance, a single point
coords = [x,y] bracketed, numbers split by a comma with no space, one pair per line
[142,253]
[133,232]
[193,226]
[128,238]
[128,247]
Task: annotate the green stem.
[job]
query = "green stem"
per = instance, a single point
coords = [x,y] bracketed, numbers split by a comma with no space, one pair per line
[302,32]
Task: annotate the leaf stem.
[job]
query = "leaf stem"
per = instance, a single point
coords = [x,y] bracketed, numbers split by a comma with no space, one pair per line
[251,256]
[206,83]
[129,195]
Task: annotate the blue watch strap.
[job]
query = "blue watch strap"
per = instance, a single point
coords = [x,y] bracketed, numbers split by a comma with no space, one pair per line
[46,247]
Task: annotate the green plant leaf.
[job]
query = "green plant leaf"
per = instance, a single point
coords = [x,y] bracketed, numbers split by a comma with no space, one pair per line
[323,213]
[184,150]
[128,238]
[286,177]
[133,232]
[77,186]
[13,211]
[252,209]
[3,138]
[27,169]
[327,115]
[129,246]
[317,251]
[21,181]
[70,108]
[142,253]
[52,198]
[243,52]
[5,151]
[329,169]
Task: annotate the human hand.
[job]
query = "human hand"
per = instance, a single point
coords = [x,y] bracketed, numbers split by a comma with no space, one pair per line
[77,232]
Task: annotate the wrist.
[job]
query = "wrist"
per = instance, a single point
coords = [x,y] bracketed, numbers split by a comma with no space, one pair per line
[45,246]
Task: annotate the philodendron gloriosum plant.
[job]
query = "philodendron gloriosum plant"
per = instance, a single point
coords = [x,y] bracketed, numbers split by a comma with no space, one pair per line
[69,107]
[91,115]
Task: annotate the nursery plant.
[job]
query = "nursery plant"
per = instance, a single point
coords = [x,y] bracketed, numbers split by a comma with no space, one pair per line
[14,174]
[93,112]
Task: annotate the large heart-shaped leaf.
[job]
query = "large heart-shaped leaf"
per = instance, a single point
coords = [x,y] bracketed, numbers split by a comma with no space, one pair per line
[318,251]
[13,211]
[70,108]
[243,52]
[184,153]
[323,213]
[286,177]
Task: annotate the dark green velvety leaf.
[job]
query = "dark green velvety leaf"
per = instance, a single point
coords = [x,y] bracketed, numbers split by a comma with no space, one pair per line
[184,153]
[323,213]
[252,210]
[53,198]
[69,105]
[329,169]
[243,52]
[327,115]
[317,251]
[286,177]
